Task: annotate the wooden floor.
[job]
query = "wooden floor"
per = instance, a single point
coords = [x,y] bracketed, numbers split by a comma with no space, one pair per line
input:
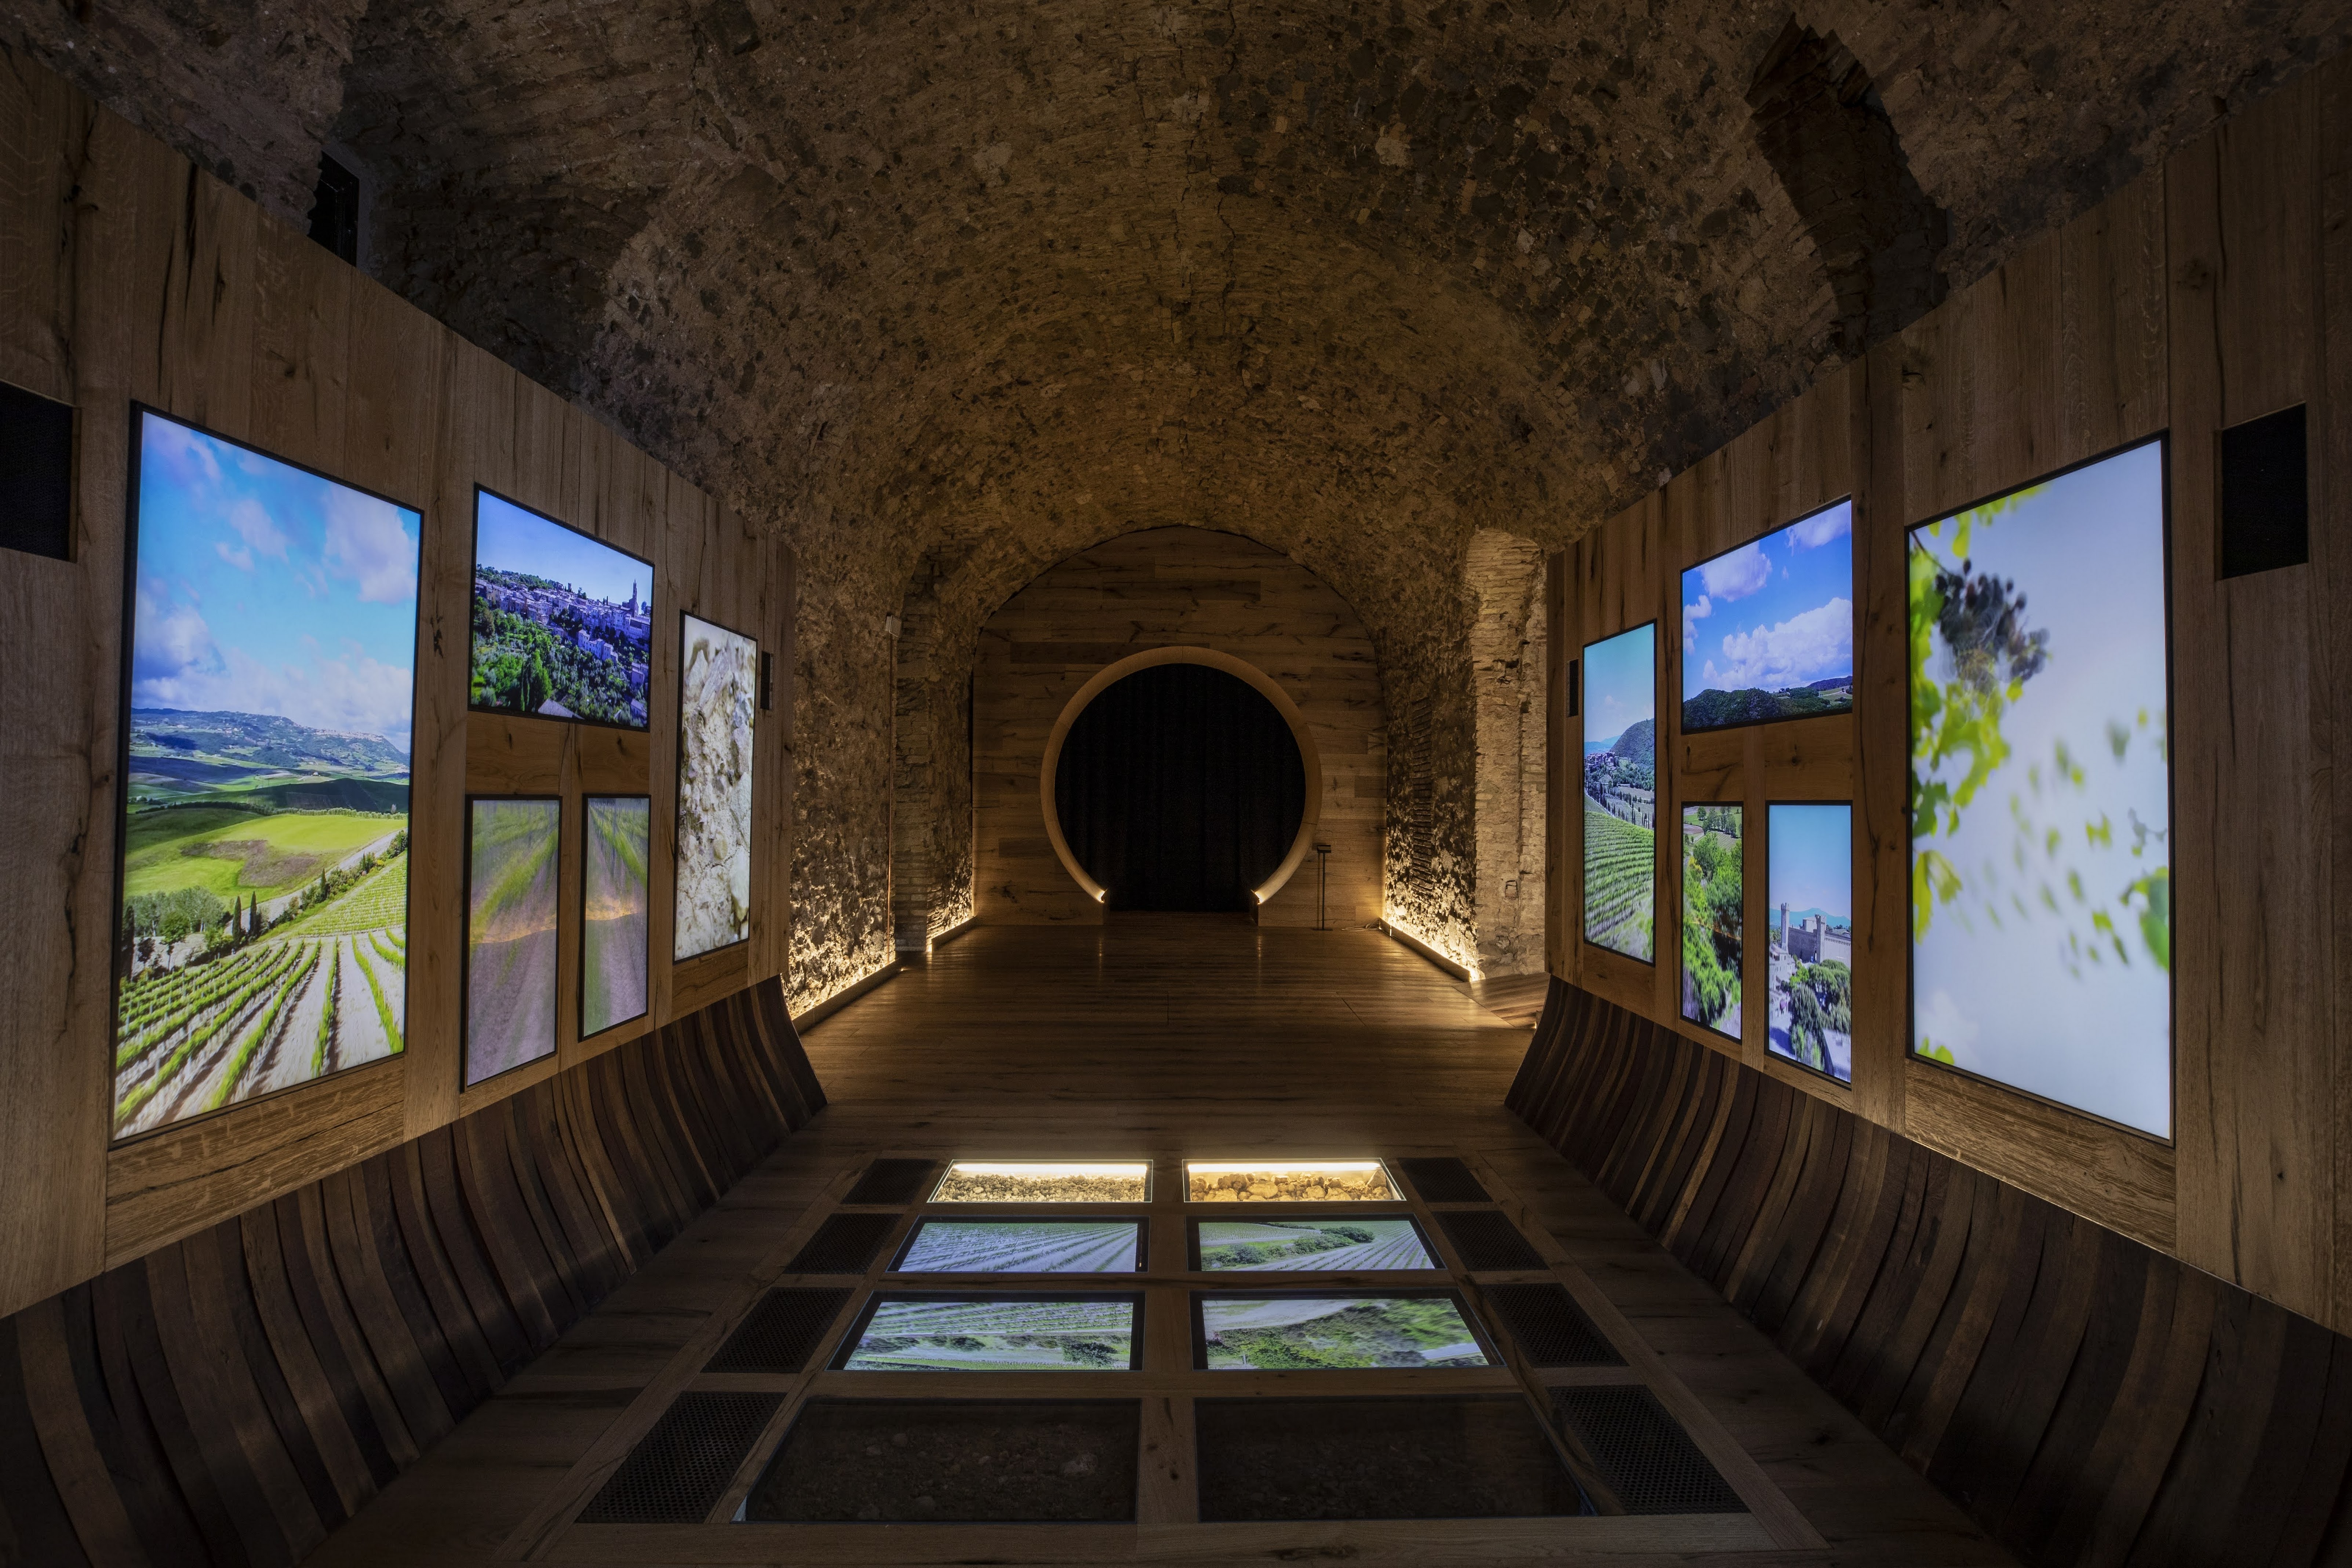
[1163,1036]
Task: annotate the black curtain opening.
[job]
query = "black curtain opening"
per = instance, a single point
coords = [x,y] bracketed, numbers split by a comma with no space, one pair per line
[1179,788]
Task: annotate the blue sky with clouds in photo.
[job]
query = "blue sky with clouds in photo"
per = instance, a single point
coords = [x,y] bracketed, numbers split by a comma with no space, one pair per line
[263,589]
[1774,614]
[510,538]
[1809,853]
[1620,684]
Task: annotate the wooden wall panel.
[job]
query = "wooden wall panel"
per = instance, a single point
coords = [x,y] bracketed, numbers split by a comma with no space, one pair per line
[130,274]
[2208,292]
[2084,1397]
[1162,587]
[234,1395]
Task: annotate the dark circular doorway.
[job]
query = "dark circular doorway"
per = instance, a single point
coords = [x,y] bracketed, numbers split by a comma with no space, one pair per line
[1179,788]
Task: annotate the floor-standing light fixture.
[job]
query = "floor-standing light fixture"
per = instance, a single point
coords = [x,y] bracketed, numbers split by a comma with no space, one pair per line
[1323,887]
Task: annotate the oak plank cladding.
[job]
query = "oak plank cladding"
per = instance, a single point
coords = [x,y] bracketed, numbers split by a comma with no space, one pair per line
[2084,1397]
[133,276]
[235,1395]
[2213,289]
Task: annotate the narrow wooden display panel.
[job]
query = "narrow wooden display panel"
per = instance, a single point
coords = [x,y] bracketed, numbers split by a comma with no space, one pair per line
[2205,293]
[141,278]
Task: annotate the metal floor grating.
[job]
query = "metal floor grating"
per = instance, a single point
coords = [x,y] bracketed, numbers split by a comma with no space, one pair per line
[1487,1239]
[1445,1180]
[1643,1453]
[781,1332]
[678,1472]
[1550,1328]
[843,1244]
[893,1181]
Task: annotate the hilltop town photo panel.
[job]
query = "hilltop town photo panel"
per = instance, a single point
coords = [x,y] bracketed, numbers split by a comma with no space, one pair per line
[1768,628]
[2040,790]
[562,623]
[262,926]
[718,688]
[1809,915]
[1621,761]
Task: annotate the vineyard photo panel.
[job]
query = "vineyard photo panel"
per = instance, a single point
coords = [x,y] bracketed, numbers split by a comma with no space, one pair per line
[511,933]
[718,683]
[1023,1247]
[1332,1242]
[2040,784]
[1307,1331]
[1809,920]
[562,622]
[1621,757]
[1712,924]
[1768,628]
[927,1333]
[615,848]
[269,685]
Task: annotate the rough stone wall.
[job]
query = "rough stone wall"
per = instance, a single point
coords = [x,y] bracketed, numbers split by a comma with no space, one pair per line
[1505,573]
[1004,283]
[932,861]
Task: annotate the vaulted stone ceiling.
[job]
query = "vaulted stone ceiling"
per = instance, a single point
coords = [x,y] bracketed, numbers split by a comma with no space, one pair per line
[964,288]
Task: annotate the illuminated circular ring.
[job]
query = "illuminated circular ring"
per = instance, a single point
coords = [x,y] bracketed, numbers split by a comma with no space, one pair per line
[1309,758]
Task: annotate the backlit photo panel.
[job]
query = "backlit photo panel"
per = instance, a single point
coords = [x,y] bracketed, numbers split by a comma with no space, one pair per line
[2041,791]
[616,842]
[719,686]
[1768,628]
[1809,920]
[1621,755]
[510,933]
[1712,924]
[261,932]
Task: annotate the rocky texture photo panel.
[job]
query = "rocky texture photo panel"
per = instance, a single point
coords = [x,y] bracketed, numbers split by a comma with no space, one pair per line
[719,675]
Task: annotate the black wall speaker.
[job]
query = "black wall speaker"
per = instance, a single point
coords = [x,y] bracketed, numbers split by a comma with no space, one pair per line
[2265,495]
[36,473]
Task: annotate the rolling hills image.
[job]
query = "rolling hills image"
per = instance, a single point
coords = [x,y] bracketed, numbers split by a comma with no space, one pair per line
[1321,1244]
[1285,1334]
[263,933]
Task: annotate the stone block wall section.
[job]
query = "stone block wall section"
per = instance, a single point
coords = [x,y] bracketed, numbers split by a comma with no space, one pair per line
[237,1395]
[2086,1398]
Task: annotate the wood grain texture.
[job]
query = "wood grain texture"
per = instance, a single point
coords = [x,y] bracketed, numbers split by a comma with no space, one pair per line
[2212,290]
[237,1394]
[131,276]
[1160,587]
[2085,1397]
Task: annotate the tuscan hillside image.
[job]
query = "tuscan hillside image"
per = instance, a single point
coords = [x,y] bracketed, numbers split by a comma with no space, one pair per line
[265,909]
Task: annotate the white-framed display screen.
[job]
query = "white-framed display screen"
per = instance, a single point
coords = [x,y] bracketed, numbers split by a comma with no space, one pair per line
[1621,792]
[2040,783]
